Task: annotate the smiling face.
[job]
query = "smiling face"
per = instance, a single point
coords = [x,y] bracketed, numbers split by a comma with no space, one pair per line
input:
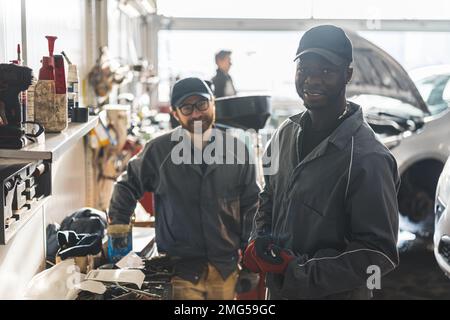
[206,114]
[319,82]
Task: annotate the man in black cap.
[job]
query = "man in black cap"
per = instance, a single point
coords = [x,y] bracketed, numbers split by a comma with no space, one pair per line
[223,84]
[204,208]
[328,219]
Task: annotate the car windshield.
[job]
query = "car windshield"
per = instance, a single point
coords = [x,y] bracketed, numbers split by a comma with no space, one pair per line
[433,90]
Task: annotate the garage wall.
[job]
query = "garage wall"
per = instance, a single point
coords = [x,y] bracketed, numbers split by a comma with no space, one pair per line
[63,19]
[68,184]
[74,25]
[24,255]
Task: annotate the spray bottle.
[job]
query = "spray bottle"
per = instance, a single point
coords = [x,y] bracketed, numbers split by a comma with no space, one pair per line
[72,87]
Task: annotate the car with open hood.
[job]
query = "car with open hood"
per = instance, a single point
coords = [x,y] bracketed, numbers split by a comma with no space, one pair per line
[415,129]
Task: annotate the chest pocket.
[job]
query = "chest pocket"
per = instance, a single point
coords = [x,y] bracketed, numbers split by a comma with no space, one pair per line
[320,190]
[310,208]
[323,204]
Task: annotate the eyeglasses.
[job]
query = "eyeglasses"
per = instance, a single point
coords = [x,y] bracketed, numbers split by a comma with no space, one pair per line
[188,109]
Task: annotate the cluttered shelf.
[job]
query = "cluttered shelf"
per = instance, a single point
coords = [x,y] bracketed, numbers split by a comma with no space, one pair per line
[55,143]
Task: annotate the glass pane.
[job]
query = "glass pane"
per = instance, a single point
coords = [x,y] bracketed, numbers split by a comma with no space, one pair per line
[301,9]
[446,93]
[292,9]
[10,29]
[57,18]
[381,9]
[262,61]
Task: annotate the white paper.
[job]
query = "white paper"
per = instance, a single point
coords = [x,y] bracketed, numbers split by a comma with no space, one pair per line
[92,286]
[131,261]
[128,276]
[142,236]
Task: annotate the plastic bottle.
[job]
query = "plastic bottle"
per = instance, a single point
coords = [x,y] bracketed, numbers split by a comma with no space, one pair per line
[72,89]
[30,101]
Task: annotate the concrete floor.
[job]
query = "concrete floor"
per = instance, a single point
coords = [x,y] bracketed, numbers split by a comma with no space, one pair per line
[417,277]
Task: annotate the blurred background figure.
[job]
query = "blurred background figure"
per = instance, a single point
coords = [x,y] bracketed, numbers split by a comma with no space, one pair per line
[223,84]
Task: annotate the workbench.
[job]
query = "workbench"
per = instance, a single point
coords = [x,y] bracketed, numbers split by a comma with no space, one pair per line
[24,254]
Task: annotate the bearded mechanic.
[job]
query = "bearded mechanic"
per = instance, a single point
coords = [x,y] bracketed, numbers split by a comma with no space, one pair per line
[204,209]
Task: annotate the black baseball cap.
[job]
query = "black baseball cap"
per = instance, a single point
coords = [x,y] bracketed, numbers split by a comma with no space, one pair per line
[188,87]
[328,41]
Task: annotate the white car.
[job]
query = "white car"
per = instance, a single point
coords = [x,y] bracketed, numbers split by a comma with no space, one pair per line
[421,156]
[442,227]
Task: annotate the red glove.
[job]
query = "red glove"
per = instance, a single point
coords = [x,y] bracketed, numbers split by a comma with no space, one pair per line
[275,260]
[254,251]
[261,255]
[250,258]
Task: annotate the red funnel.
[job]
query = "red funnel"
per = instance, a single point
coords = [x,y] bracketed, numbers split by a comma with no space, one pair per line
[51,44]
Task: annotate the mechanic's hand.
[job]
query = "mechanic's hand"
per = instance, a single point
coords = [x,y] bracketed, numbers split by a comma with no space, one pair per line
[262,245]
[261,255]
[257,249]
[277,262]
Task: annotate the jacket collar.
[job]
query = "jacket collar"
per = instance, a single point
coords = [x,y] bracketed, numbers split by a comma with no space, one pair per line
[338,138]
[344,131]
[342,135]
[222,73]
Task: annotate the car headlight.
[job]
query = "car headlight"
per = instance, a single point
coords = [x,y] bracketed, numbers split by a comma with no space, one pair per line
[443,191]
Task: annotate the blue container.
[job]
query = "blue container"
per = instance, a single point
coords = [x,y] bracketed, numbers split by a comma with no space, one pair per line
[120,242]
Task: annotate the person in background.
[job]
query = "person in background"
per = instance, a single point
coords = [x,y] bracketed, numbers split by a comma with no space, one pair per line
[223,84]
[204,210]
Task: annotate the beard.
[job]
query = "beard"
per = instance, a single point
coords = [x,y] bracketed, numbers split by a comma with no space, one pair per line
[191,124]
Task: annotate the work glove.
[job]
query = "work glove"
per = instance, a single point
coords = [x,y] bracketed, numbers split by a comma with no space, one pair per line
[275,259]
[78,245]
[261,255]
[262,245]
[249,257]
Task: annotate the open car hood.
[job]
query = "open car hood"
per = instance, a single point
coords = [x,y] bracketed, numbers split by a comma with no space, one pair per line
[376,72]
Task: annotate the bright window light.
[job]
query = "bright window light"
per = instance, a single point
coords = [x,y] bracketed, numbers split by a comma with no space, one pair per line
[303,9]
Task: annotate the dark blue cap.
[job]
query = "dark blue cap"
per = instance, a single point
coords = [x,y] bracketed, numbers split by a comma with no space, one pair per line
[188,87]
